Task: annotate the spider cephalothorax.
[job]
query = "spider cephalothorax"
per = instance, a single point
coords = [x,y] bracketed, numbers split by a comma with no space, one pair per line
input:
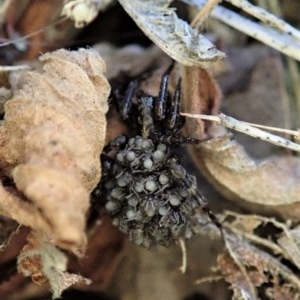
[145,188]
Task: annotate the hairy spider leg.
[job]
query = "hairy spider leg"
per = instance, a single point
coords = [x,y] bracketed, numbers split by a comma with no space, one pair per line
[175,140]
[203,202]
[161,101]
[126,104]
[174,120]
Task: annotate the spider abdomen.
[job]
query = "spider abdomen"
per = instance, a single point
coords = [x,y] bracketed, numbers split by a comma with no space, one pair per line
[147,201]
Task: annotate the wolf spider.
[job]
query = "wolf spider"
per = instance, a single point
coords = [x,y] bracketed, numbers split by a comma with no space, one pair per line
[147,191]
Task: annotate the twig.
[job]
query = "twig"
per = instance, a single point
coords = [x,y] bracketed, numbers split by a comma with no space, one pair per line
[183,266]
[258,240]
[292,76]
[13,68]
[266,220]
[266,17]
[204,13]
[281,36]
[249,129]
[26,37]
[231,251]
[209,279]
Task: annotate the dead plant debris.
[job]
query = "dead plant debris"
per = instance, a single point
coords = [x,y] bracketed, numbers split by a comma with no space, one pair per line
[51,139]
[55,126]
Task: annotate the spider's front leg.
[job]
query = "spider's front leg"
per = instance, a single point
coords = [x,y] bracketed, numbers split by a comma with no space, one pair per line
[174,120]
[162,98]
[126,104]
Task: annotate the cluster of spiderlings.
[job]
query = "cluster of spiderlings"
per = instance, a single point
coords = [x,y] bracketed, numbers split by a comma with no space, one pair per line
[146,200]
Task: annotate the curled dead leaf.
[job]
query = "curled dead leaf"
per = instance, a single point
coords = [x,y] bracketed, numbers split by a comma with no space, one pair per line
[270,186]
[51,140]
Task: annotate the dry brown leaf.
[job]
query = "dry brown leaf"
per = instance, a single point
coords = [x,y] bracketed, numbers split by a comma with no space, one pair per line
[31,265]
[256,93]
[234,276]
[201,95]
[33,27]
[268,186]
[290,242]
[41,260]
[252,271]
[285,244]
[272,185]
[51,140]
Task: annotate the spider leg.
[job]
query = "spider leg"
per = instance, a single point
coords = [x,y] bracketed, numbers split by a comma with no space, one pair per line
[174,140]
[161,101]
[174,120]
[202,201]
[126,104]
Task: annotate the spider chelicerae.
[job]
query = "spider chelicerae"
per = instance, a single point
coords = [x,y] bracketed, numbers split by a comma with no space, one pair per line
[146,190]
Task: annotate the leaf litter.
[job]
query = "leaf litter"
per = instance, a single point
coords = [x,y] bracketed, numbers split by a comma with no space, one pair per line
[51,140]
[241,263]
